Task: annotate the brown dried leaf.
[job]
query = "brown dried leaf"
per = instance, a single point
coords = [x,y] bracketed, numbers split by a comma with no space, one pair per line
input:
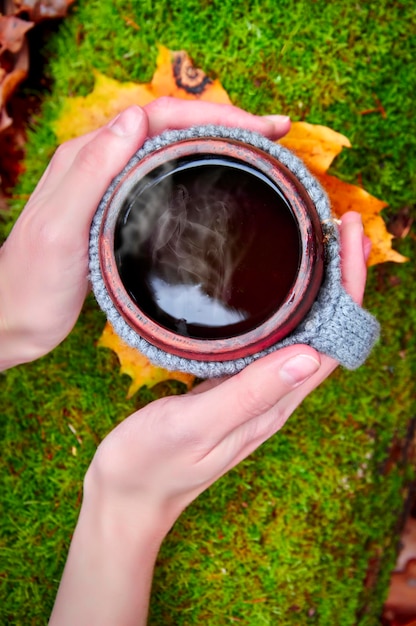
[401,223]
[5,120]
[9,81]
[7,87]
[402,593]
[39,10]
[12,33]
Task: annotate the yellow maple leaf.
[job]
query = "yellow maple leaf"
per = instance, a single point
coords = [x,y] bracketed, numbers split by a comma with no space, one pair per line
[346,197]
[174,76]
[82,114]
[136,365]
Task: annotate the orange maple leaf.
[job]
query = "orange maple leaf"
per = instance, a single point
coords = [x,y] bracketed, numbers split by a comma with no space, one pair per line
[176,76]
[318,146]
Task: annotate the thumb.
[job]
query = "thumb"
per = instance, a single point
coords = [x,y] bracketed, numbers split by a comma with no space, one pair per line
[94,167]
[251,393]
[234,418]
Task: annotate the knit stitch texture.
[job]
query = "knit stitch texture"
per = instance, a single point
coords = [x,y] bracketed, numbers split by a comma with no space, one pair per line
[335,325]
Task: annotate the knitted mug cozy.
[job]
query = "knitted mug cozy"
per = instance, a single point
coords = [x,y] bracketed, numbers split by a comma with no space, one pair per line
[335,325]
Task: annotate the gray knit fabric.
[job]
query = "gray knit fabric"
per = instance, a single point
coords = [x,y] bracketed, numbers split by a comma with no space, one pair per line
[335,325]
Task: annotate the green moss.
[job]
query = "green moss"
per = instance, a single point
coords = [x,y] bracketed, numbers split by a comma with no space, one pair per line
[305,531]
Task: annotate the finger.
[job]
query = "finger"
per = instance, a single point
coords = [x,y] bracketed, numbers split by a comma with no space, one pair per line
[353,263]
[95,165]
[176,114]
[294,398]
[354,248]
[63,159]
[208,384]
[244,440]
[238,443]
[248,394]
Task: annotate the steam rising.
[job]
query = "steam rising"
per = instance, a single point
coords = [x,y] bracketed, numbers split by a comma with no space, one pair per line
[188,232]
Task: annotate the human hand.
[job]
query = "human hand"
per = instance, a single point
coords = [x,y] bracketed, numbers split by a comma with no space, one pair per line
[44,262]
[159,459]
[162,457]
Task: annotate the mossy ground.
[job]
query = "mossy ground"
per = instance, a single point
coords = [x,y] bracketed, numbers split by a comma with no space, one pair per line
[304,531]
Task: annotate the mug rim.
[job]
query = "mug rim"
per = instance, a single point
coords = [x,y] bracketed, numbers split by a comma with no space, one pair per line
[299,298]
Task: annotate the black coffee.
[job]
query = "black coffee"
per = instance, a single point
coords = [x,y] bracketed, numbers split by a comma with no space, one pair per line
[208,249]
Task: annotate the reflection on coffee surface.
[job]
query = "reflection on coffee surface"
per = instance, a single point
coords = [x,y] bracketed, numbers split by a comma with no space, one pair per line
[207,248]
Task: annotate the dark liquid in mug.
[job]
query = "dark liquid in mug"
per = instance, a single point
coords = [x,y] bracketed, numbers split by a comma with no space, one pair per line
[208,249]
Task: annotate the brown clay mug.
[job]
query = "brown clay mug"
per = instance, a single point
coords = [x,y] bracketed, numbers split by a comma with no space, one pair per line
[210,248]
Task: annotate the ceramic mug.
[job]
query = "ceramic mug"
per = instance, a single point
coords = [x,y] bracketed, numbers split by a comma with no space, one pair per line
[211,249]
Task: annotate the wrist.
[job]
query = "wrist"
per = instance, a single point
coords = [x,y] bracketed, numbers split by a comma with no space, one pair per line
[16,343]
[121,537]
[16,346]
[26,332]
[132,513]
[16,337]
[108,574]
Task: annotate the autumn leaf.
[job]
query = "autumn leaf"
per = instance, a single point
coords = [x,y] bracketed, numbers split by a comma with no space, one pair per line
[13,71]
[176,76]
[345,197]
[20,17]
[39,10]
[12,33]
[318,146]
[14,61]
[136,365]
[82,114]
[401,223]
[8,84]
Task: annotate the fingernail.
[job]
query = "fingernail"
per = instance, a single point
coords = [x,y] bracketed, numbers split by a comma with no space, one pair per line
[298,369]
[127,122]
[352,218]
[278,119]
